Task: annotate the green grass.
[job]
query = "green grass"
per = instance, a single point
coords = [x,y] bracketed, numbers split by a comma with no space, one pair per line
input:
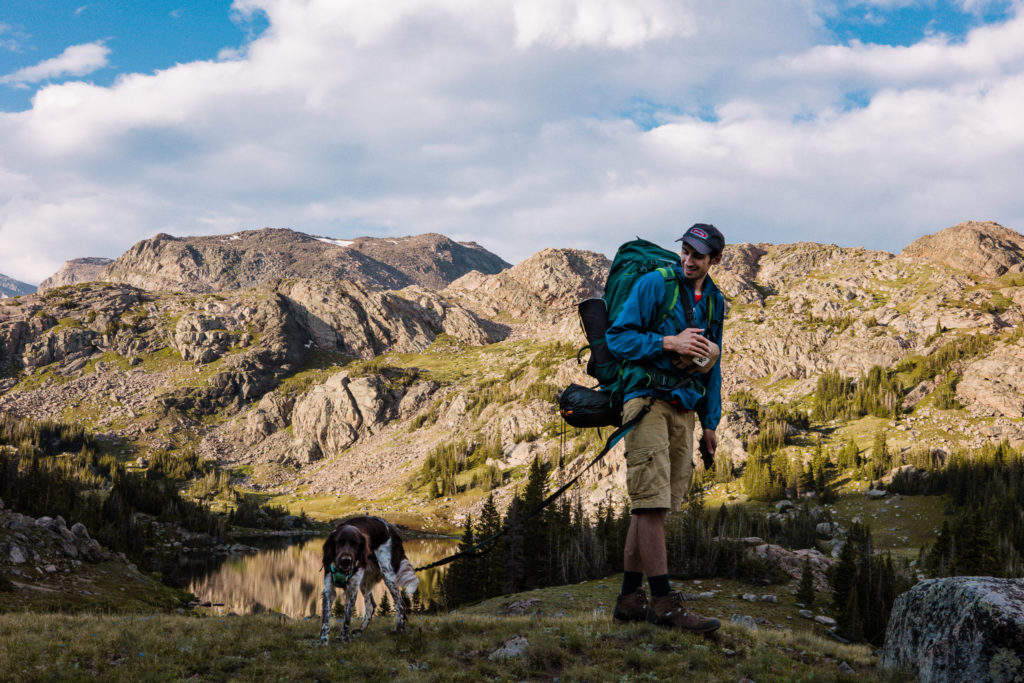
[899,524]
[105,587]
[570,632]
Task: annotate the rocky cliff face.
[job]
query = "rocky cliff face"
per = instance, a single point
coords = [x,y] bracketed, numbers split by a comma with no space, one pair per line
[76,270]
[247,259]
[345,317]
[958,629]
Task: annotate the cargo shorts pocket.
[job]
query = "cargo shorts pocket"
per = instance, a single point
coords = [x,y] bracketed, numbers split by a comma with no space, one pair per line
[642,474]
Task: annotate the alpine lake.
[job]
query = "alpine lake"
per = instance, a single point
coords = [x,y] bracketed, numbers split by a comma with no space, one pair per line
[285,575]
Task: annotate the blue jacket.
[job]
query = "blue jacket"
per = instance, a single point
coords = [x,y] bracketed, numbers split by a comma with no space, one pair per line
[630,338]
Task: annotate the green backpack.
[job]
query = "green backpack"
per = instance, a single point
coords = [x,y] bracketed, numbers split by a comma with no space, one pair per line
[632,260]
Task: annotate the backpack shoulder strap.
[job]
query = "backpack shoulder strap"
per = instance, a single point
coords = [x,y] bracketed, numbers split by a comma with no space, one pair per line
[671,297]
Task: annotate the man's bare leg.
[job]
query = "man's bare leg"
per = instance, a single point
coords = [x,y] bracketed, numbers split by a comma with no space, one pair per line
[645,543]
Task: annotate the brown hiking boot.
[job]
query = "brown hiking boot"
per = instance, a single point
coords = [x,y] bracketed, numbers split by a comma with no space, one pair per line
[669,610]
[632,607]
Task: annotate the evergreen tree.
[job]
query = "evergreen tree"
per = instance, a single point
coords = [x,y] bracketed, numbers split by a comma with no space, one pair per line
[723,468]
[512,546]
[461,583]
[844,575]
[977,550]
[849,456]
[492,564]
[384,608]
[537,570]
[940,560]
[880,459]
[850,625]
[805,591]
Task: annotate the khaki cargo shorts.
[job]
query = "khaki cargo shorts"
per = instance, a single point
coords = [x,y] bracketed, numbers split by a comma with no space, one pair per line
[659,455]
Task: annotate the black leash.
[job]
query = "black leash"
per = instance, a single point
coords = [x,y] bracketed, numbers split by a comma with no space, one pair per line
[474,550]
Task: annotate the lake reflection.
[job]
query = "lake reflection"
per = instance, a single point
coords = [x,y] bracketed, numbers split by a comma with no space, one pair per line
[289,580]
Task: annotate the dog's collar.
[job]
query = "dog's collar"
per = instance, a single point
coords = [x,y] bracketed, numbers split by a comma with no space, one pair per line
[340,578]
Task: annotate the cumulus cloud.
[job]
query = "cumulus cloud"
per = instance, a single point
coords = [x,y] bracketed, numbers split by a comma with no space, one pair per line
[77,60]
[523,125]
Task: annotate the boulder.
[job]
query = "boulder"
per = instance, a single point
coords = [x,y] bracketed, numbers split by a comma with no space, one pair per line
[784,505]
[744,620]
[271,414]
[511,649]
[968,628]
[333,415]
[201,338]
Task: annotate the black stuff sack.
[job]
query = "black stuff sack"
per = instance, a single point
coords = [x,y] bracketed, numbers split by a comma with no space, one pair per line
[584,407]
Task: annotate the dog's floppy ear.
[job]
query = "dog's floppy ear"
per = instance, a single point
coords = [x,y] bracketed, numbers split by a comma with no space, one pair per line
[328,552]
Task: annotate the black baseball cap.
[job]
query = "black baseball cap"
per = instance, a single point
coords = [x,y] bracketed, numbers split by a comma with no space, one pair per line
[704,237]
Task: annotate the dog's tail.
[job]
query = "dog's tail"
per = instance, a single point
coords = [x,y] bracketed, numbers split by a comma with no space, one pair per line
[405,577]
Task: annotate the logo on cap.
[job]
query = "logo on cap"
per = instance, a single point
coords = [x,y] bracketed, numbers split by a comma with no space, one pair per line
[697,232]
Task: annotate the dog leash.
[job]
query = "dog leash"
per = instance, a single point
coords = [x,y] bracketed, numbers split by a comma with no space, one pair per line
[474,550]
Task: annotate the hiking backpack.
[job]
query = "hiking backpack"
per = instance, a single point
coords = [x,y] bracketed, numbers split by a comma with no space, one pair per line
[589,407]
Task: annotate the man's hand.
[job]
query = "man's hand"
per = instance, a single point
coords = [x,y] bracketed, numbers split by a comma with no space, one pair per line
[708,446]
[689,342]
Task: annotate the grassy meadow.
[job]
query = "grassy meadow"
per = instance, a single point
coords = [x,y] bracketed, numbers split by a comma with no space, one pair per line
[570,634]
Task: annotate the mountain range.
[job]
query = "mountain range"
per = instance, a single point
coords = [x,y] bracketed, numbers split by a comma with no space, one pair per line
[313,367]
[11,287]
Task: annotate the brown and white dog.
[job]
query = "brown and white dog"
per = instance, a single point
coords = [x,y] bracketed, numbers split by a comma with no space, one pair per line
[358,554]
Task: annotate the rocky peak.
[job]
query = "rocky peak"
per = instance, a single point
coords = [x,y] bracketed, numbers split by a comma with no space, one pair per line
[88,269]
[980,248]
[547,284]
[431,261]
[246,259]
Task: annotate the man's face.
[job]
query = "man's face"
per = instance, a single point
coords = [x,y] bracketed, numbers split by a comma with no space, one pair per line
[695,264]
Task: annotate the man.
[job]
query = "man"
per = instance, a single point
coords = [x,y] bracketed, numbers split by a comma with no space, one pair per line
[659,449]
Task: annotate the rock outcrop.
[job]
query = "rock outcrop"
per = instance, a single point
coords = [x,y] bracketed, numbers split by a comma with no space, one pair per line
[77,270]
[46,543]
[333,415]
[249,258]
[958,629]
[984,248]
[996,381]
[348,318]
[546,286]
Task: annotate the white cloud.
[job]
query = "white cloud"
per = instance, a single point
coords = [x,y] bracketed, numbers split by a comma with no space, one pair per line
[599,23]
[76,60]
[510,123]
[979,6]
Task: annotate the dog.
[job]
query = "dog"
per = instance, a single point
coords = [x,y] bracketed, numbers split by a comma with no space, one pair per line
[359,553]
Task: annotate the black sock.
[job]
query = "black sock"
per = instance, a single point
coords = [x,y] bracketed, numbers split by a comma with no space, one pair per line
[659,585]
[631,581]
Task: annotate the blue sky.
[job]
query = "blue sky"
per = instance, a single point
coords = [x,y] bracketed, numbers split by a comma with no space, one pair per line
[140,37]
[519,124]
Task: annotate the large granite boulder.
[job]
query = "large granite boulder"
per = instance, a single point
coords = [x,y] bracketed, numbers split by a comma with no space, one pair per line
[968,628]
